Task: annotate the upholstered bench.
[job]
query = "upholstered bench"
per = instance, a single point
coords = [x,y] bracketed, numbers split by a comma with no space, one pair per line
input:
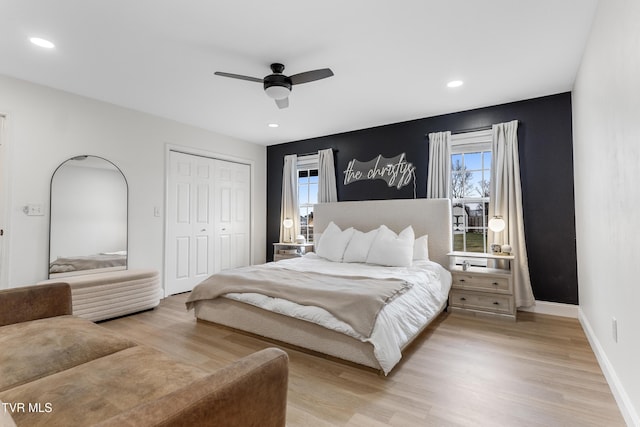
[103,296]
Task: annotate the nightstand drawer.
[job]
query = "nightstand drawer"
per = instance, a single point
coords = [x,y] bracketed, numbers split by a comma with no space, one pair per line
[494,303]
[290,250]
[280,257]
[481,282]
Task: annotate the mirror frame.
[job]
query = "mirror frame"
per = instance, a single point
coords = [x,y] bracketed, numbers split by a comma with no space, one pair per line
[126,228]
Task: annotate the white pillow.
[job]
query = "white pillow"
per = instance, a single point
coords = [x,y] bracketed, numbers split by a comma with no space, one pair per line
[391,249]
[359,245]
[421,248]
[333,242]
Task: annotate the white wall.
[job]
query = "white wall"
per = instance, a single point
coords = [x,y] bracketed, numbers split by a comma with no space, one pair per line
[47,127]
[606,125]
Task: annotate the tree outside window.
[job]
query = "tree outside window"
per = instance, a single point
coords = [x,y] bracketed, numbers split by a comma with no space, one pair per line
[470,179]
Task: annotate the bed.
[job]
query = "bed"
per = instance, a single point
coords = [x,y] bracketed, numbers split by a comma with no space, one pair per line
[106,261]
[319,329]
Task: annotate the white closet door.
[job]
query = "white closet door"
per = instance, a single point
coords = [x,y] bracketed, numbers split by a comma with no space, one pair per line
[232,215]
[208,219]
[190,228]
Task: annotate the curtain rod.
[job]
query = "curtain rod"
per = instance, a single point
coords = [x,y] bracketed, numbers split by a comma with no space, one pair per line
[476,129]
[311,153]
[457,132]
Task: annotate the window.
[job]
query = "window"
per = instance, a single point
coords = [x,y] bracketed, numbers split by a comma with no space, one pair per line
[470,179]
[307,193]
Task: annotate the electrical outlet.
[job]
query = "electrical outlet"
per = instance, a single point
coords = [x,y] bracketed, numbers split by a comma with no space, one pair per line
[614,329]
[34,210]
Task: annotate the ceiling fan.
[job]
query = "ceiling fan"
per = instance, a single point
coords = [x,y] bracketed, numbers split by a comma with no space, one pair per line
[277,85]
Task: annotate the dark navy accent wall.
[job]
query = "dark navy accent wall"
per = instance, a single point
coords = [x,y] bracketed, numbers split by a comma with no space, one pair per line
[546,168]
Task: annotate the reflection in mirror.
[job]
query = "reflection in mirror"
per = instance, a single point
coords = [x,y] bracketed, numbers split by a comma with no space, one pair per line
[88,230]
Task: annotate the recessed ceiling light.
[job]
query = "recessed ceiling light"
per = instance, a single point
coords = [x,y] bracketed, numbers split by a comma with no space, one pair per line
[42,42]
[273,125]
[455,83]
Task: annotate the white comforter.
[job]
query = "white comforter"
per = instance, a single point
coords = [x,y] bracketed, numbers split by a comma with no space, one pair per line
[397,322]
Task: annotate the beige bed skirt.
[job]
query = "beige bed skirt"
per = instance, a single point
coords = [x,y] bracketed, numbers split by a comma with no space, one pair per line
[299,333]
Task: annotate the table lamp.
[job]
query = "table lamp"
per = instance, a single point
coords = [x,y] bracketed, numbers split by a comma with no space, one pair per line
[496,224]
[288,224]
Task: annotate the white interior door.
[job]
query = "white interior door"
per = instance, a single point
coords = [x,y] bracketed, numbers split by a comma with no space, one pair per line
[208,226]
[232,215]
[190,222]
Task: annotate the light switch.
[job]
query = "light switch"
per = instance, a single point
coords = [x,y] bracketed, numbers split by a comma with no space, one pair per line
[34,210]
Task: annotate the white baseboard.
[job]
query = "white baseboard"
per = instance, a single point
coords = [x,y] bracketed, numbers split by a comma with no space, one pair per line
[553,308]
[629,413]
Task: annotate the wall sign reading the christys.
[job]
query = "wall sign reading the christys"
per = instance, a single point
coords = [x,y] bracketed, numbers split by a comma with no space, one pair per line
[396,171]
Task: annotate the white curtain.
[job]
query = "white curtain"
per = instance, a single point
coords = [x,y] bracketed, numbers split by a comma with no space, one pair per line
[289,201]
[439,172]
[506,201]
[327,191]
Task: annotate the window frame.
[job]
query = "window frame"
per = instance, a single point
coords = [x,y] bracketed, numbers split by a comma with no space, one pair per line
[306,163]
[467,143]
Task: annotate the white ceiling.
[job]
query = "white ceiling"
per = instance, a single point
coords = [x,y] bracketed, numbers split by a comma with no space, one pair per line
[391,59]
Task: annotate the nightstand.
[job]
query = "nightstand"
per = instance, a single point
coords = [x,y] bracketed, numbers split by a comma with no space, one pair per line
[290,250]
[482,290]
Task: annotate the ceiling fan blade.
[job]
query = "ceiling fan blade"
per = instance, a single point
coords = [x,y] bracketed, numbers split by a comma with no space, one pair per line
[310,76]
[238,76]
[282,103]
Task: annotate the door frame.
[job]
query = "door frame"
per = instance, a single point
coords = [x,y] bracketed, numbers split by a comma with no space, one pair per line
[211,155]
[5,200]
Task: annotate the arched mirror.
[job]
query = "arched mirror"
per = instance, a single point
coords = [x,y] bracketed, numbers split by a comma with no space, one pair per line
[88,230]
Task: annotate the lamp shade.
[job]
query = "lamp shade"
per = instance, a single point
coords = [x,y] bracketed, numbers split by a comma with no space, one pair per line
[496,224]
[277,92]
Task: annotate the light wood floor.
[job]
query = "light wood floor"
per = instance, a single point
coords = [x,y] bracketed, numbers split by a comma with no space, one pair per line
[462,371]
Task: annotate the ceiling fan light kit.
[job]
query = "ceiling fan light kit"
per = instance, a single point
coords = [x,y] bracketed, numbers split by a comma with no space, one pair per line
[277,90]
[278,86]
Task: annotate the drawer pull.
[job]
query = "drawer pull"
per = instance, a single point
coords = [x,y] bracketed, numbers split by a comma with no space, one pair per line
[495,283]
[463,299]
[461,280]
[496,303]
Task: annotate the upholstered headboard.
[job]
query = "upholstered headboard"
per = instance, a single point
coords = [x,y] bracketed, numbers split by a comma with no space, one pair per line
[426,216]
